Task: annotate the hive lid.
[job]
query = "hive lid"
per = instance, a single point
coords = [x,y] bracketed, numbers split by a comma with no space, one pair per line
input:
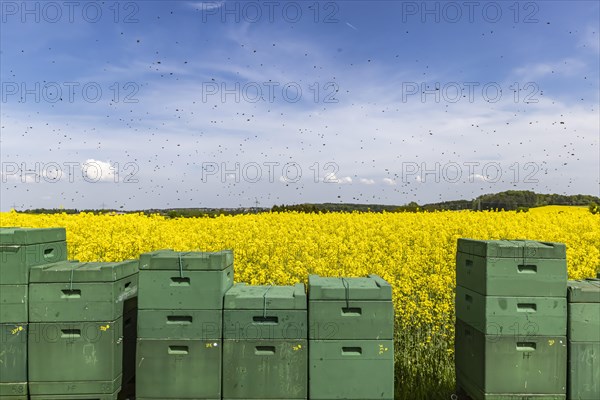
[517,248]
[584,291]
[245,297]
[69,271]
[372,287]
[24,236]
[192,260]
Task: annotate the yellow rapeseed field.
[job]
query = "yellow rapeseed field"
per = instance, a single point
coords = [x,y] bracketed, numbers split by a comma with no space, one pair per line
[415,252]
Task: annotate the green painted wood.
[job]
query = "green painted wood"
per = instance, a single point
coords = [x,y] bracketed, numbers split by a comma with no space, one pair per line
[258,325]
[512,276]
[265,369]
[510,365]
[178,369]
[517,248]
[247,297]
[13,304]
[503,315]
[370,288]
[180,324]
[16,260]
[355,319]
[584,370]
[86,357]
[13,360]
[170,290]
[26,236]
[351,369]
[584,291]
[79,389]
[98,291]
[187,261]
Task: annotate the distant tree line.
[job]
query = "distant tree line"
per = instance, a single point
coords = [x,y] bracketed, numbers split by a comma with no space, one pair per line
[519,200]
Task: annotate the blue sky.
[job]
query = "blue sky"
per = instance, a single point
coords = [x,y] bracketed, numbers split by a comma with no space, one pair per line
[188,104]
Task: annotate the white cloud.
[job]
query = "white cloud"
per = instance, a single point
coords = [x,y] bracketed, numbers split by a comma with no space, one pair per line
[477,177]
[97,171]
[566,67]
[389,181]
[206,5]
[366,181]
[332,178]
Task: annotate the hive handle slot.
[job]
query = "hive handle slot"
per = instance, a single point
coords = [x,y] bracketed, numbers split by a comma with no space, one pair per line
[70,333]
[526,346]
[527,269]
[49,253]
[469,263]
[179,319]
[526,307]
[351,311]
[180,281]
[268,320]
[127,285]
[468,298]
[179,350]
[351,351]
[71,293]
[264,350]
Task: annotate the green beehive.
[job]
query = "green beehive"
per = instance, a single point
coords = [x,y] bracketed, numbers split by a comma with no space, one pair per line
[180,324]
[508,367]
[584,339]
[501,315]
[265,369]
[350,308]
[13,304]
[23,248]
[512,267]
[584,310]
[265,312]
[75,357]
[351,369]
[180,281]
[265,352]
[13,361]
[74,292]
[178,369]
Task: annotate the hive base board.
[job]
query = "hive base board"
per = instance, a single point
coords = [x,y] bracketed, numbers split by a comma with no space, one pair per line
[76,397]
[13,391]
[474,393]
[84,389]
